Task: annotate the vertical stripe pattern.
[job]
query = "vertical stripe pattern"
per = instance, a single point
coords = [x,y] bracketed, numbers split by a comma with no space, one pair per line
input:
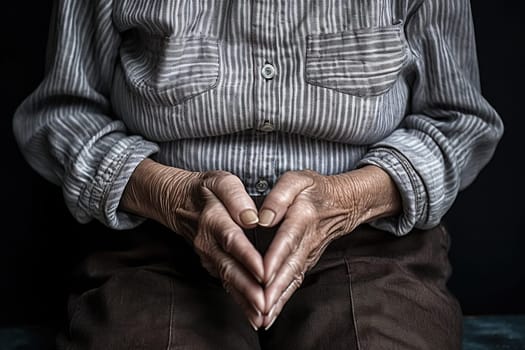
[393,83]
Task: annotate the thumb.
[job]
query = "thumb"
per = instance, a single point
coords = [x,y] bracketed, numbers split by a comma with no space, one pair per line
[281,197]
[229,189]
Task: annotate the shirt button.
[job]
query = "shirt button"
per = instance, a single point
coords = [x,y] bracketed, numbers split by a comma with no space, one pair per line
[261,186]
[268,71]
[267,127]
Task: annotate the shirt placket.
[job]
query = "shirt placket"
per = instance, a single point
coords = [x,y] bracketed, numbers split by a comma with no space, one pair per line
[265,96]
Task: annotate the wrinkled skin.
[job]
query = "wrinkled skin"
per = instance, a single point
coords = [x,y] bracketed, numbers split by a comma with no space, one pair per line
[211,209]
[208,210]
[312,210]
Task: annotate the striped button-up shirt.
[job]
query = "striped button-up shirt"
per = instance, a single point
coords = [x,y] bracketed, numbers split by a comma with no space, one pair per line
[259,88]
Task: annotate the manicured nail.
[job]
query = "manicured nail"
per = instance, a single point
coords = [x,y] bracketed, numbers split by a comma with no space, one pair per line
[266,217]
[249,217]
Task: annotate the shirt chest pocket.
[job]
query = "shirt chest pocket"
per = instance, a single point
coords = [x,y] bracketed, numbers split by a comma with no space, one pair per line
[361,62]
[168,70]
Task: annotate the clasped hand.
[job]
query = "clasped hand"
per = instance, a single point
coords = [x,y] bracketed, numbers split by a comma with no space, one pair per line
[212,209]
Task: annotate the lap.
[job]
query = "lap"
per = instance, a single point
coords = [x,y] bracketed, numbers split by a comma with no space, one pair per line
[152,294]
[370,290]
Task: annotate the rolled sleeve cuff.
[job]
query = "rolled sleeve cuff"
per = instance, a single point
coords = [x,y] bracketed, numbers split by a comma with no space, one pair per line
[409,184]
[101,201]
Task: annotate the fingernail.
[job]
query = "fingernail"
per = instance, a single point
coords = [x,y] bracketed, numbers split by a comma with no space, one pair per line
[271,323]
[249,217]
[266,217]
[270,280]
[270,313]
[255,328]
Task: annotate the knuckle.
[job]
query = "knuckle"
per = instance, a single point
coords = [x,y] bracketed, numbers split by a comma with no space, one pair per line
[206,252]
[215,174]
[310,212]
[225,270]
[228,240]
[296,283]
[202,246]
[282,198]
[225,179]
[290,240]
[209,266]
[295,267]
[301,174]
[308,173]
[313,259]
[244,256]
[226,186]
[291,288]
[298,278]
[207,215]
[199,242]
[211,217]
[291,175]
[303,177]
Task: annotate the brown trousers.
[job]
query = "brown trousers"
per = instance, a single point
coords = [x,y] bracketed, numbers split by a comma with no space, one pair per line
[370,290]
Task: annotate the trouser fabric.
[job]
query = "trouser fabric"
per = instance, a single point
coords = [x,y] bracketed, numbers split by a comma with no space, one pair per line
[369,290]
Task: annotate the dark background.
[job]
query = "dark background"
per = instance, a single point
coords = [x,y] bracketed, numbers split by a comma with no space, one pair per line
[486,222]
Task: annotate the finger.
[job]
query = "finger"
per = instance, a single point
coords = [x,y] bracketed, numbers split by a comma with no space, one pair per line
[234,275]
[234,242]
[284,244]
[276,309]
[231,192]
[216,222]
[291,275]
[288,238]
[254,316]
[281,197]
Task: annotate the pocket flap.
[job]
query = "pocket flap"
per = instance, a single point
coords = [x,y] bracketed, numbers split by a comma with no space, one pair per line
[363,62]
[171,70]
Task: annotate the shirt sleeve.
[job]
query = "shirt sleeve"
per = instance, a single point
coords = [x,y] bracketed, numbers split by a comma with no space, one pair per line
[65,128]
[451,131]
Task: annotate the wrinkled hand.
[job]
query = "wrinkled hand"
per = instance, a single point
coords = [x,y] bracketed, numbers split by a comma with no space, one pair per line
[313,210]
[209,209]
